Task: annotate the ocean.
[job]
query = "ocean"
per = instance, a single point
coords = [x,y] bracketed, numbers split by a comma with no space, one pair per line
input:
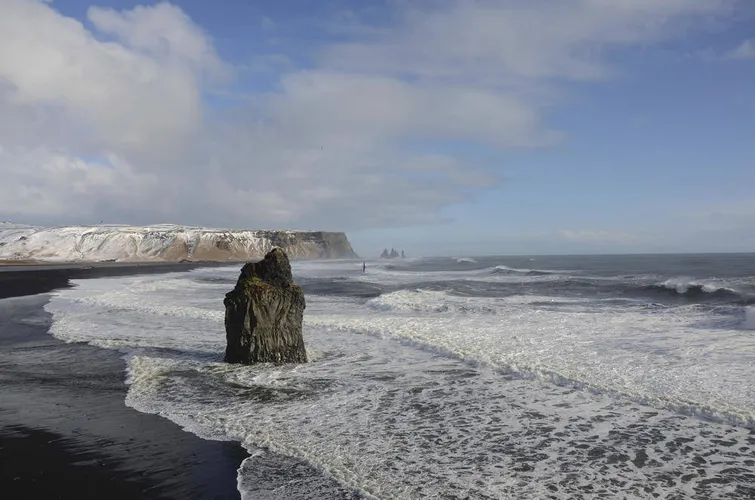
[460,377]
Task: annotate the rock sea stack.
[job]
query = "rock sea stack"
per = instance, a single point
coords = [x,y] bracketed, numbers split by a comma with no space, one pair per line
[264,314]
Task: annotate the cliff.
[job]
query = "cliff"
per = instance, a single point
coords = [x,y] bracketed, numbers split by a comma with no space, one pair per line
[163,243]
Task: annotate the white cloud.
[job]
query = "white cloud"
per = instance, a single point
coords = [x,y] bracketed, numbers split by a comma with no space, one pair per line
[499,42]
[352,109]
[112,121]
[745,50]
[110,184]
[112,98]
[163,31]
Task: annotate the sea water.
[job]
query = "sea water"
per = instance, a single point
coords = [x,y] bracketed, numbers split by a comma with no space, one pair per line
[484,377]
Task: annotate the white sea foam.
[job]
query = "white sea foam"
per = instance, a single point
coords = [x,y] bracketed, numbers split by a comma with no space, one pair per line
[393,421]
[677,358]
[522,271]
[385,274]
[432,302]
[467,260]
[684,285]
[749,322]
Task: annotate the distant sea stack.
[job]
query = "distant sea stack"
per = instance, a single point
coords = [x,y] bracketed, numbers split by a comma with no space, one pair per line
[163,243]
[264,313]
[393,254]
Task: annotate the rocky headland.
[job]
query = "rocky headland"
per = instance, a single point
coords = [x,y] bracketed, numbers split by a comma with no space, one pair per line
[163,243]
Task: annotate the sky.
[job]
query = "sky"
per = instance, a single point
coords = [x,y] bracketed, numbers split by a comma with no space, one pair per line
[441,127]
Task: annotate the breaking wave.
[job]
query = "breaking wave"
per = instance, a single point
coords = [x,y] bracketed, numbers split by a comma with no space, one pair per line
[504,270]
[693,289]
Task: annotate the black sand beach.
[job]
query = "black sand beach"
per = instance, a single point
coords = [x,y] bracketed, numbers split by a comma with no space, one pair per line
[29,279]
[65,431]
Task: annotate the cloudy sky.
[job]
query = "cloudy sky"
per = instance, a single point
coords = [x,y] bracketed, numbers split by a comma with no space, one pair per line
[437,126]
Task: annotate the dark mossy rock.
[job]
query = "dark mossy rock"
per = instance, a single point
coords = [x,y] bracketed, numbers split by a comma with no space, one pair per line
[264,314]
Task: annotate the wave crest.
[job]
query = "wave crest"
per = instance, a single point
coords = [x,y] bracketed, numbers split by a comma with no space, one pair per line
[505,270]
[697,289]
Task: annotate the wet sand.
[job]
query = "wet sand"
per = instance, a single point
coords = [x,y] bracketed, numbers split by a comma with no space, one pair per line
[65,431]
[29,279]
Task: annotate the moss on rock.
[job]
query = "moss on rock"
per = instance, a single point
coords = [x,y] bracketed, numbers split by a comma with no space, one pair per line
[264,314]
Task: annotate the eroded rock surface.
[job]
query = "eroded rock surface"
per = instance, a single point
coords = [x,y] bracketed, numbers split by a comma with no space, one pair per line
[264,314]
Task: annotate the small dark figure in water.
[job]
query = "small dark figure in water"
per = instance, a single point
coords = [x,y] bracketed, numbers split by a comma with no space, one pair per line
[364,267]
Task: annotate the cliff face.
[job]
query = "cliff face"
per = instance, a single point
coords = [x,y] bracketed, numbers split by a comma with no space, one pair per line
[164,243]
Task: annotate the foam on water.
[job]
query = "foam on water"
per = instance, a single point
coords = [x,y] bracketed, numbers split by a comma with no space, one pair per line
[431,302]
[507,269]
[749,322]
[684,285]
[390,420]
[387,275]
[680,358]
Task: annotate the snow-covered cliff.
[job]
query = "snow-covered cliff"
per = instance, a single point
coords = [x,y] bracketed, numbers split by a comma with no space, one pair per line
[163,243]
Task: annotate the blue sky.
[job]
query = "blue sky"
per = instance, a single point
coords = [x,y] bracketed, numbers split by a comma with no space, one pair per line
[438,126]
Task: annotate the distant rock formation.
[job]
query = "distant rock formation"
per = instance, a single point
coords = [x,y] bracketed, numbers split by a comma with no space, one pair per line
[393,254]
[264,313]
[164,243]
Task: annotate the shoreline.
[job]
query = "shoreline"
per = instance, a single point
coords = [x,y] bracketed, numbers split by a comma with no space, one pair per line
[32,279]
[65,430]
[47,264]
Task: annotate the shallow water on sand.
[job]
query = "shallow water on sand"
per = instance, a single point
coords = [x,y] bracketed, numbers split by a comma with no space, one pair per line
[65,432]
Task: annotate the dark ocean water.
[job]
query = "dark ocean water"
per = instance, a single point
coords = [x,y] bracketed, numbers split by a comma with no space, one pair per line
[463,377]
[666,278]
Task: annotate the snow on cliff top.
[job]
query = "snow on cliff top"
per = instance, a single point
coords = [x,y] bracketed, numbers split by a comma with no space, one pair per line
[129,228]
[159,242]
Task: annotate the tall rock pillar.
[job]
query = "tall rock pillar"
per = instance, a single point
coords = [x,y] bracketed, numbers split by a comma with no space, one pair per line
[264,314]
